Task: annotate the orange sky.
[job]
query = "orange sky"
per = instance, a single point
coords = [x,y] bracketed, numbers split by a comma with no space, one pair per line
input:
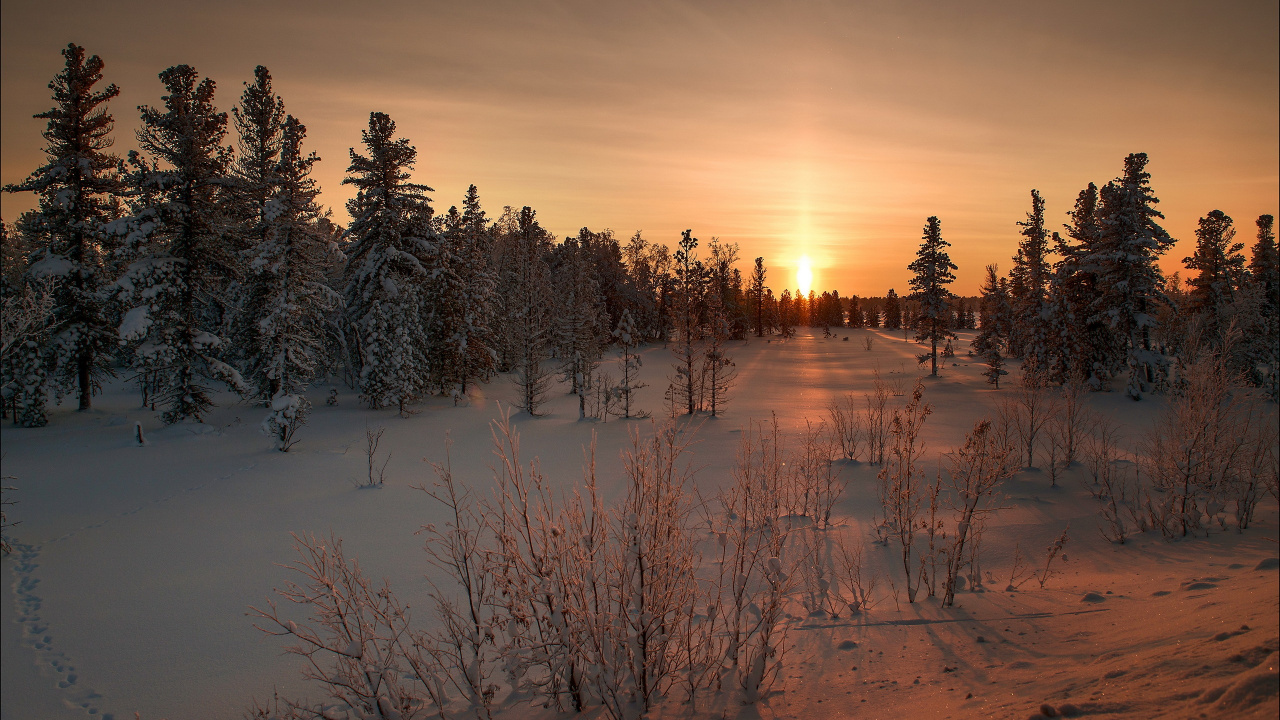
[827,129]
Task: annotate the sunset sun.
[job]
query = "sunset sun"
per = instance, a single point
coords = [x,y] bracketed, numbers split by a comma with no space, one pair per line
[804,275]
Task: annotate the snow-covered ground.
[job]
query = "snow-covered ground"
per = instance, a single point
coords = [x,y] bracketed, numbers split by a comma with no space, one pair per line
[135,566]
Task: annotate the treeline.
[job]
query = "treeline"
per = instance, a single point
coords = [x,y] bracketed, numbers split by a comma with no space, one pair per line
[1100,309]
[193,262]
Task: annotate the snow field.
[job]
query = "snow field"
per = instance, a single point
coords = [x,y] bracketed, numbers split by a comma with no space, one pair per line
[136,565]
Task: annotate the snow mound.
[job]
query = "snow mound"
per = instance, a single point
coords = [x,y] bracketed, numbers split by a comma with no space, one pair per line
[1092,597]
[1267,564]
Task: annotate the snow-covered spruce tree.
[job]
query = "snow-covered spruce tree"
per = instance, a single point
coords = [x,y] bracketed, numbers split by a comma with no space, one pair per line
[688,304]
[1265,264]
[993,307]
[1219,269]
[1264,269]
[77,185]
[932,268]
[444,298]
[252,182]
[288,297]
[176,241]
[1130,279]
[24,327]
[628,340]
[995,365]
[1085,344]
[580,333]
[892,311]
[757,296]
[786,315]
[473,252]
[855,312]
[388,262]
[1030,275]
[529,319]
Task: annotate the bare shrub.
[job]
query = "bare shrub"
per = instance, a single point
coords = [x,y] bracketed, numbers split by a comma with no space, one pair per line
[377,473]
[901,480]
[846,426]
[1260,470]
[868,342]
[357,643]
[874,420]
[1198,447]
[1051,553]
[1004,433]
[857,586]
[753,582]
[1030,407]
[1072,419]
[818,480]
[466,646]
[976,470]
[1019,572]
[1120,510]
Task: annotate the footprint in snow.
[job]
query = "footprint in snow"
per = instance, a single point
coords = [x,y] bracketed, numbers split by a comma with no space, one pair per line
[37,636]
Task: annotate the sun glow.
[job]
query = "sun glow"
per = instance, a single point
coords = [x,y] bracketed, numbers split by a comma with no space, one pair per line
[804,275]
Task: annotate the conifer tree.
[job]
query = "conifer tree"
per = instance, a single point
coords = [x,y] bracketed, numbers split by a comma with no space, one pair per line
[932,273]
[1264,265]
[1029,332]
[628,341]
[288,300]
[892,311]
[176,240]
[1130,280]
[529,311]
[77,186]
[479,285]
[758,289]
[690,281]
[855,312]
[258,120]
[580,317]
[786,315]
[995,365]
[1086,345]
[1219,268]
[1264,269]
[388,264]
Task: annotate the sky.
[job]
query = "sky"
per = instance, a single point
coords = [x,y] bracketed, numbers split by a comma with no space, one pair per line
[830,130]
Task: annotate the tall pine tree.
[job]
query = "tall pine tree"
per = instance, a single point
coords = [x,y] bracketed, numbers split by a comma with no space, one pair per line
[77,186]
[388,265]
[932,273]
[177,241]
[288,300]
[1029,332]
[1129,279]
[1219,271]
